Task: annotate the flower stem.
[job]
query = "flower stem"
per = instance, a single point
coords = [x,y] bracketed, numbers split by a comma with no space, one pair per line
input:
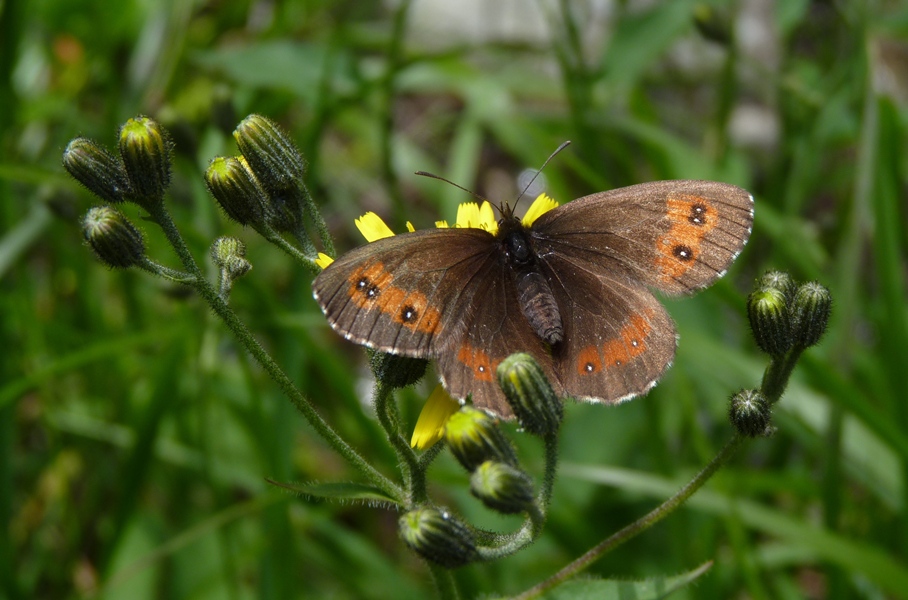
[413,476]
[775,378]
[640,525]
[444,582]
[245,337]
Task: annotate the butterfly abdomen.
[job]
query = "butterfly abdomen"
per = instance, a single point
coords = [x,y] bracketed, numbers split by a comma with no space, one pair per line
[539,306]
[537,302]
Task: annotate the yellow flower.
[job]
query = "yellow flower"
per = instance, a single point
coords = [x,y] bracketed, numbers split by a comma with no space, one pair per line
[323,260]
[372,227]
[430,426]
[541,205]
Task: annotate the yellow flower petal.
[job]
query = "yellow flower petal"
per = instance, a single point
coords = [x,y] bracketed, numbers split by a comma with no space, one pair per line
[541,205]
[410,227]
[487,218]
[372,227]
[441,224]
[430,426]
[323,260]
[468,215]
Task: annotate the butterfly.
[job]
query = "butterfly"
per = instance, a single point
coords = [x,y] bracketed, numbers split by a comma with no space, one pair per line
[573,288]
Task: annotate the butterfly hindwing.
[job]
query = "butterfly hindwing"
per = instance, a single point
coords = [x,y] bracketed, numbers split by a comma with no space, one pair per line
[618,337]
[494,328]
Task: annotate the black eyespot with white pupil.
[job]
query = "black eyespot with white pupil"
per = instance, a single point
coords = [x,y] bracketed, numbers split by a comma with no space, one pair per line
[365,287]
[589,367]
[683,253]
[697,215]
[408,314]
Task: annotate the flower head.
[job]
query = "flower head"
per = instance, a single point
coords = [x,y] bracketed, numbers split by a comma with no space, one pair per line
[430,426]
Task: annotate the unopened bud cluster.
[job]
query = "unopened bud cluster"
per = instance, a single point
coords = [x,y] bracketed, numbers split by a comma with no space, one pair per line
[229,254]
[784,315]
[141,172]
[264,185]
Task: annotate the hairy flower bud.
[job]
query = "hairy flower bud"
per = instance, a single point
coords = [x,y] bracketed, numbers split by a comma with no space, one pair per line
[438,537]
[502,487]
[145,148]
[229,254]
[474,437]
[750,413]
[396,371]
[767,310]
[115,241]
[810,314]
[235,188]
[537,408]
[272,155]
[97,169]
[778,280]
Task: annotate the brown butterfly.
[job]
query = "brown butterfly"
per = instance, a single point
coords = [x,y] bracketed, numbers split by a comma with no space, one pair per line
[572,289]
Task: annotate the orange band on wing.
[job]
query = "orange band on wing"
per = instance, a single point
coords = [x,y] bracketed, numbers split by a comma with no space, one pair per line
[691,218]
[627,345]
[371,289]
[479,362]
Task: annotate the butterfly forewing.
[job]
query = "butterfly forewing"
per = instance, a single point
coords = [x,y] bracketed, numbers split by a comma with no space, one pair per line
[674,236]
[401,294]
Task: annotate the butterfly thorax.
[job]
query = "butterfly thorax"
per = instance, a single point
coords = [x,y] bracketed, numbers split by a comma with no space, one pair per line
[534,294]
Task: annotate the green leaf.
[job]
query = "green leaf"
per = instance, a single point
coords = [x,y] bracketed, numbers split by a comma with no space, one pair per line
[357,492]
[605,589]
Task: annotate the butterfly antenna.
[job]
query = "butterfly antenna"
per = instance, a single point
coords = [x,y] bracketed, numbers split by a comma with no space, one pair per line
[460,187]
[563,145]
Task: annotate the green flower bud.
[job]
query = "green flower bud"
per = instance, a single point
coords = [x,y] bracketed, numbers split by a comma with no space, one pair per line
[396,371]
[767,310]
[97,169]
[438,537]
[474,437]
[271,154]
[502,487]
[235,188]
[229,254]
[537,408]
[778,280]
[810,314]
[115,241]
[750,413]
[145,148]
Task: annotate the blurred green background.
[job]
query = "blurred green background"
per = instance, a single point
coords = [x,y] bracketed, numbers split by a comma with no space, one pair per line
[135,438]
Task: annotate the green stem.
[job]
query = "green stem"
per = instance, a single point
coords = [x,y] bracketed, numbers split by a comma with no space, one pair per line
[245,337]
[444,582]
[775,378]
[406,458]
[154,268]
[640,525]
[275,238]
[320,226]
[551,469]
